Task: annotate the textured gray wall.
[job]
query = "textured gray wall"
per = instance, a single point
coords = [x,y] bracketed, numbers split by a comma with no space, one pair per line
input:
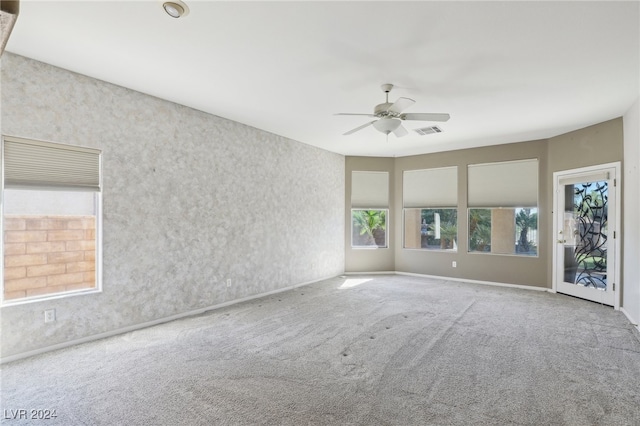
[190,200]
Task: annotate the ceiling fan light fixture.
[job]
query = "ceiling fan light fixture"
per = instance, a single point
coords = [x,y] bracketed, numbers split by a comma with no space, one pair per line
[175,8]
[387,125]
[390,116]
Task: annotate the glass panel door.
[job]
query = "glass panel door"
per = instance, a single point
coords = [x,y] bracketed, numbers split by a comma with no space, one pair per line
[585,249]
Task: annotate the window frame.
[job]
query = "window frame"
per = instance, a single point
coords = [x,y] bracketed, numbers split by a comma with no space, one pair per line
[97,204]
[495,197]
[441,250]
[386,229]
[477,252]
[442,196]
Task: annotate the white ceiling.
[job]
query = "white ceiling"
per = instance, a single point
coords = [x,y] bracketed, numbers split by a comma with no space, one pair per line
[505,71]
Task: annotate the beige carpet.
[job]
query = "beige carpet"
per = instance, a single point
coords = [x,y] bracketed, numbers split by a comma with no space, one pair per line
[381,350]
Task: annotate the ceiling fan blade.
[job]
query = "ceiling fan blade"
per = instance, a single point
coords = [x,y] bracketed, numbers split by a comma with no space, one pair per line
[400,131]
[425,116]
[401,104]
[354,113]
[358,128]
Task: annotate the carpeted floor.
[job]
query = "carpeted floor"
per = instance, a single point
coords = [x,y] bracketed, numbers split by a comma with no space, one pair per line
[379,350]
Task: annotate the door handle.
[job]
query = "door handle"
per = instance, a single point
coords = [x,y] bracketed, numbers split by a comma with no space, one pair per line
[562,241]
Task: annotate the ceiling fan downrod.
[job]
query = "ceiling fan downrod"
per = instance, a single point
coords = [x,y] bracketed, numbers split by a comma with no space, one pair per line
[386,88]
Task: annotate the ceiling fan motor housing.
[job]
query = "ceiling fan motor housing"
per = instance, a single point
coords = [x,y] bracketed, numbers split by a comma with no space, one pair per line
[382,110]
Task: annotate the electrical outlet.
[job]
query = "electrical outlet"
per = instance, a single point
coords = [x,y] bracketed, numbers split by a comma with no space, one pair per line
[50,315]
[454,264]
[228,282]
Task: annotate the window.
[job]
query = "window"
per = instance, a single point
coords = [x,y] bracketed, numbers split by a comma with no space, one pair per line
[369,228]
[431,229]
[51,215]
[513,231]
[369,209]
[503,208]
[430,200]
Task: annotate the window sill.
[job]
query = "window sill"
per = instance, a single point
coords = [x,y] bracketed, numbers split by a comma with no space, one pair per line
[48,297]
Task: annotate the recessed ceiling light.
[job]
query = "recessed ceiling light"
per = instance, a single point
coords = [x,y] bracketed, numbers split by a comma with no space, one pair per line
[175,8]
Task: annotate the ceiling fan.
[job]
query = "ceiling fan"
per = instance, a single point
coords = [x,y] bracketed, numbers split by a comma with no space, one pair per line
[389,115]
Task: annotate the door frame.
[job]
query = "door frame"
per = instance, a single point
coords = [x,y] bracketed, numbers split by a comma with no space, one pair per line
[617,166]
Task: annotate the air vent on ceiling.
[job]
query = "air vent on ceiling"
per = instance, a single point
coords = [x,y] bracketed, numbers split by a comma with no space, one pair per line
[428,130]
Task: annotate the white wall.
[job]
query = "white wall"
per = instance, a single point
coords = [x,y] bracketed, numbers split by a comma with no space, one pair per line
[631,271]
[190,200]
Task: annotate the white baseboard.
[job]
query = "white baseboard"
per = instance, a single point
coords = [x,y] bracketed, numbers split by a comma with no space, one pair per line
[464,280]
[140,326]
[630,318]
[371,273]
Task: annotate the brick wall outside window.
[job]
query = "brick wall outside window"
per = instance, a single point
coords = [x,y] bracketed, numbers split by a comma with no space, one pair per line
[48,254]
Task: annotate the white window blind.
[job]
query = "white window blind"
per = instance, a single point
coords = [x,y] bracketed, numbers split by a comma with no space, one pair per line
[430,187]
[29,163]
[504,184]
[369,189]
[584,178]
